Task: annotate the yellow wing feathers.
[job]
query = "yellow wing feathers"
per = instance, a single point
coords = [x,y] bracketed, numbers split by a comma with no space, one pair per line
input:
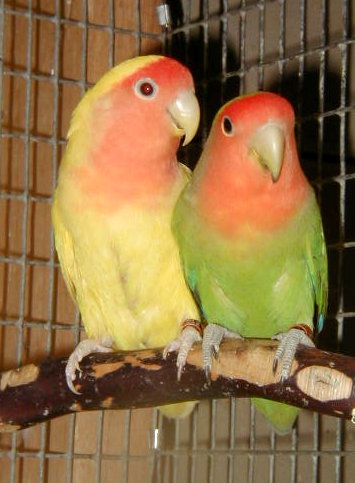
[65,250]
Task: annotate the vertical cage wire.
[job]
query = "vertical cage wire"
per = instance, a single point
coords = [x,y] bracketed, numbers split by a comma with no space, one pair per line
[282,34]
[224,34]
[194,445]
[242,41]
[21,311]
[202,449]
[252,446]
[293,456]
[232,436]
[261,7]
[342,149]
[211,462]
[322,66]
[2,23]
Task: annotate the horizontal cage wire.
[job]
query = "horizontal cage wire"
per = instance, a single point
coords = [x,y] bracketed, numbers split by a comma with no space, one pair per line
[51,52]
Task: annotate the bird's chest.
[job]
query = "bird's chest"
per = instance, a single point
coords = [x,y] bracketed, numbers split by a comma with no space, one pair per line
[265,280]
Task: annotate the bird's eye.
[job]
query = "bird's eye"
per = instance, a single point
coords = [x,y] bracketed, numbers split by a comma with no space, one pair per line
[146,88]
[227,126]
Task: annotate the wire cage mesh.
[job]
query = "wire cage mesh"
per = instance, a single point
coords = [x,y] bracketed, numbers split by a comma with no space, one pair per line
[51,51]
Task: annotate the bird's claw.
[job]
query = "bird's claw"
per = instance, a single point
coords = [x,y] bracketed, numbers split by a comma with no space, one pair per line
[83,349]
[286,350]
[183,344]
[70,370]
[212,338]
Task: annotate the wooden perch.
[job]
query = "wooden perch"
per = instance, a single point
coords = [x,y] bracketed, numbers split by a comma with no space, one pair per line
[320,381]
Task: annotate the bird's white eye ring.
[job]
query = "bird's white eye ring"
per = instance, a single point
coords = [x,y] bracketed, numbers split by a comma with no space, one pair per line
[146,88]
[227,126]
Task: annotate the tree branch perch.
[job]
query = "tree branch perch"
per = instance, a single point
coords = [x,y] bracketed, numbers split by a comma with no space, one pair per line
[320,381]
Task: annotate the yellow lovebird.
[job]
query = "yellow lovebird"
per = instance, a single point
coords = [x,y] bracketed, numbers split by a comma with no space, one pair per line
[118,184]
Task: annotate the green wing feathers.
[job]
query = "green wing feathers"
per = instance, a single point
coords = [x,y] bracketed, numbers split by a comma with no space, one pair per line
[316,256]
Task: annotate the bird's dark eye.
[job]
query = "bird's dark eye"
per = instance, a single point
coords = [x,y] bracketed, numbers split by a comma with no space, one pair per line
[227,126]
[146,88]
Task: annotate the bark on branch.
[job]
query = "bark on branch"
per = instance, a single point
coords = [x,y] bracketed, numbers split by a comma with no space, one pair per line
[320,381]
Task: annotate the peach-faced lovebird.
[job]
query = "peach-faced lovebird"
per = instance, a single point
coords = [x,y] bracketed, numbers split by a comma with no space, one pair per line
[251,238]
[118,183]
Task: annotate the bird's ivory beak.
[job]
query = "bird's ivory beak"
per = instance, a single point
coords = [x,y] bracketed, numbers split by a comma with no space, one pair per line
[185,114]
[268,146]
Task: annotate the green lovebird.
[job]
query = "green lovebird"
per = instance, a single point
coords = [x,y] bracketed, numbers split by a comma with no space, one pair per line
[251,239]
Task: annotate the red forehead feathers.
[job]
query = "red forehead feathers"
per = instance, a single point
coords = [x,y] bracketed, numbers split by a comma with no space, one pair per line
[164,71]
[259,107]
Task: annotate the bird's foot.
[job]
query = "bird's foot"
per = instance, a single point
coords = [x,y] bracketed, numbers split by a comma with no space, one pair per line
[83,349]
[191,332]
[212,338]
[285,353]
